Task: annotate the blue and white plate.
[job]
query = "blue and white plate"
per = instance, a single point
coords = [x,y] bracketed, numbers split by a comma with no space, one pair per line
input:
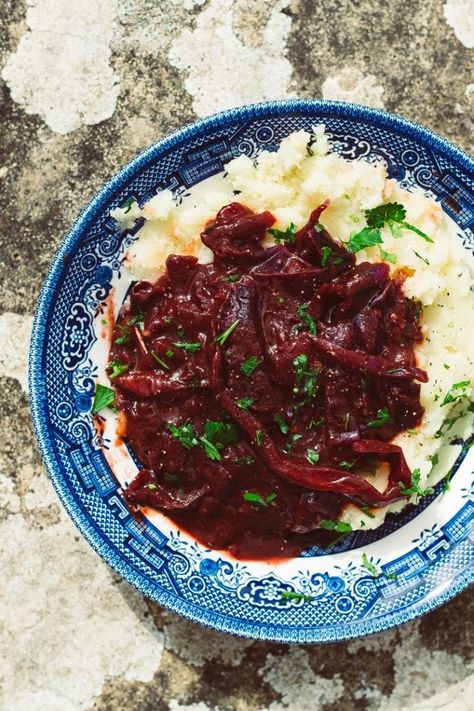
[424,556]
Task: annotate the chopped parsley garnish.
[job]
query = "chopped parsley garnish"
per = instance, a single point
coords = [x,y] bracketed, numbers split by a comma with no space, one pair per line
[415,488]
[370,566]
[314,424]
[445,365]
[116,368]
[288,236]
[296,596]
[434,460]
[160,361]
[367,237]
[230,278]
[392,214]
[423,259]
[259,438]
[312,456]
[249,365]
[318,227]
[127,205]
[245,402]
[217,435]
[138,320]
[306,378]
[103,397]
[307,319]
[222,337]
[244,461]
[365,509]
[191,347]
[456,392]
[152,487]
[255,498]
[125,337]
[339,526]
[290,442]
[281,424]
[325,254]
[388,256]
[184,434]
[169,353]
[346,465]
[383,416]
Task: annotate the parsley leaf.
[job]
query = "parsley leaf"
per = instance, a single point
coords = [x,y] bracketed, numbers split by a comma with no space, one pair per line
[138,320]
[103,397]
[160,361]
[420,257]
[367,237]
[125,337]
[259,438]
[370,566]
[296,596]
[392,214]
[184,434]
[222,337]
[116,368]
[339,526]
[383,416]
[230,278]
[255,498]
[191,347]
[312,456]
[210,449]
[152,487]
[325,254]
[244,461]
[288,236]
[346,465]
[249,365]
[415,486]
[281,423]
[290,442]
[388,256]
[307,378]
[245,402]
[452,395]
[307,319]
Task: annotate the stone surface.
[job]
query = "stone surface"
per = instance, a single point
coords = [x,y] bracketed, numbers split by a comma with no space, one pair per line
[86,85]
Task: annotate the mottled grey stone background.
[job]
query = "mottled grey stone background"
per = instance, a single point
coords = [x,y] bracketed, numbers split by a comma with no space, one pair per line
[86,84]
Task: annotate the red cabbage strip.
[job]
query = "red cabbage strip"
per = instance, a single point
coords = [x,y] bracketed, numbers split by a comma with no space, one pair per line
[392,453]
[356,360]
[156,497]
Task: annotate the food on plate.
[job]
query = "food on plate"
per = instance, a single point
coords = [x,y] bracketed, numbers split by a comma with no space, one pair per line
[301,367]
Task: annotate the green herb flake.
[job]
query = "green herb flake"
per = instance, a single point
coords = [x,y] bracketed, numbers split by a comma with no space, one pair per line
[222,337]
[210,449]
[383,416]
[314,424]
[347,465]
[104,321]
[415,488]
[116,368]
[245,402]
[445,365]
[259,438]
[191,347]
[367,237]
[281,423]
[127,205]
[287,236]
[312,456]
[290,442]
[325,254]
[456,392]
[434,460]
[296,596]
[184,434]
[169,353]
[249,365]
[231,278]
[365,509]
[281,299]
[307,319]
[103,397]
[152,487]
[138,320]
[370,566]
[423,259]
[339,526]
[392,214]
[160,361]
[318,227]
[388,256]
[254,498]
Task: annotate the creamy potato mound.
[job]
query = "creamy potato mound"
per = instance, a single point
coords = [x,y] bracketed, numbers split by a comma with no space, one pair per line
[290,183]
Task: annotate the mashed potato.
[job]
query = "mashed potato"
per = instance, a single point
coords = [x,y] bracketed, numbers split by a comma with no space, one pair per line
[290,183]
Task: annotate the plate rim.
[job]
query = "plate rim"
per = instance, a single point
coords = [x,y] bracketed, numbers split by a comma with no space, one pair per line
[93,535]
